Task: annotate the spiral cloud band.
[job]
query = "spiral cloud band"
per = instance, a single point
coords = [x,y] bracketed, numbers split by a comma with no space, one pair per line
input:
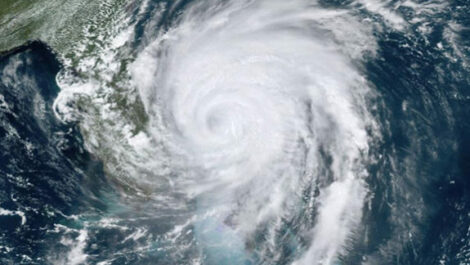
[262,110]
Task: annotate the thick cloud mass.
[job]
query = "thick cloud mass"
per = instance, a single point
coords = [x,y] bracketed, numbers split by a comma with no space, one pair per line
[257,103]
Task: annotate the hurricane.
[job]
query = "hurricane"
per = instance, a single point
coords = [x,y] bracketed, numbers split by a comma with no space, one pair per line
[236,132]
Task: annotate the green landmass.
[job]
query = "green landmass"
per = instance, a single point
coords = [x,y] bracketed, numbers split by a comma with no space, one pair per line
[59,23]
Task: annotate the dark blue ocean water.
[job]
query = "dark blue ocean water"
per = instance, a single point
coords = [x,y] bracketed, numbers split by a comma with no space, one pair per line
[45,172]
[420,209]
